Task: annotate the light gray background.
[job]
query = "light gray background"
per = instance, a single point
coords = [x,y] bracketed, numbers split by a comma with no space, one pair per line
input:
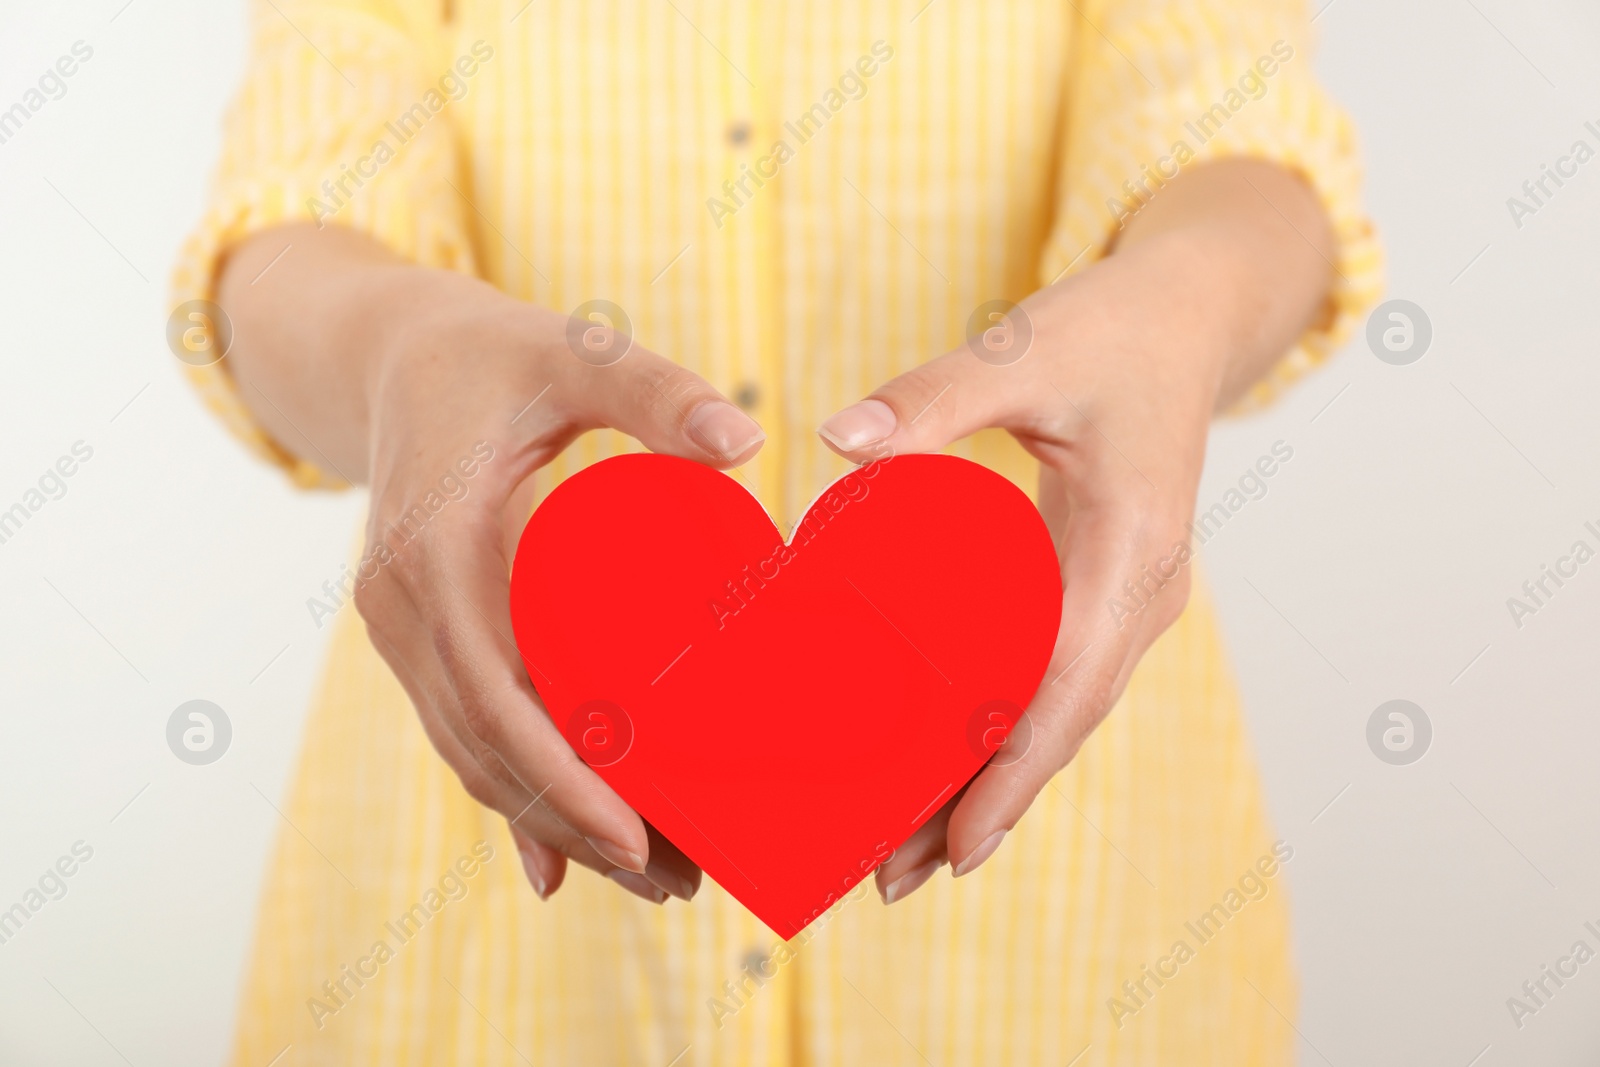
[1419,498]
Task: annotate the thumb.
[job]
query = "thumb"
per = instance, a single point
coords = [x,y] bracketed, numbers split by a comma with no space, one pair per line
[926,408]
[668,408]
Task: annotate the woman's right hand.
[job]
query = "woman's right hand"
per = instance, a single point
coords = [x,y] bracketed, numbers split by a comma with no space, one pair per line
[413,377]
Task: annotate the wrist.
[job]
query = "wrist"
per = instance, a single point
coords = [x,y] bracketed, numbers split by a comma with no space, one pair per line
[444,346]
[1161,317]
[452,363]
[1261,250]
[1196,282]
[417,314]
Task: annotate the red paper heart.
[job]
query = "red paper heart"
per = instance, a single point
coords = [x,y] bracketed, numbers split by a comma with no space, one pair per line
[786,714]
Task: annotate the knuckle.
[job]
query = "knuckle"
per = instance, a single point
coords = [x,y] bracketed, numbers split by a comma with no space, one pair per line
[406,567]
[478,713]
[921,391]
[1173,601]
[672,381]
[668,392]
[479,785]
[496,768]
[548,432]
[1088,711]
[371,600]
[445,645]
[375,637]
[480,720]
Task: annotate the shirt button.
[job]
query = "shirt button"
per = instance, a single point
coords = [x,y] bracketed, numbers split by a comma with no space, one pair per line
[747,395]
[739,133]
[755,962]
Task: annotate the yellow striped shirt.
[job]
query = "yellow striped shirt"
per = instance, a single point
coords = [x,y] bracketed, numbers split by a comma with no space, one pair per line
[798,201]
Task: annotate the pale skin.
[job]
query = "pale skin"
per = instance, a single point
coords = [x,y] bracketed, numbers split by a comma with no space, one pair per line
[389,372]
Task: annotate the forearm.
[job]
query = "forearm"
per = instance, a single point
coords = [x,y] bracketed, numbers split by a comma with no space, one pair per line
[1257,256]
[310,330]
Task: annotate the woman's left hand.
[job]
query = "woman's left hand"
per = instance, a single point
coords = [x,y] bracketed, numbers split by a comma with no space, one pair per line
[1114,395]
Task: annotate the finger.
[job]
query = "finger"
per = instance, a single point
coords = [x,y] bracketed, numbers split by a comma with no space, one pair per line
[545,840]
[926,408]
[544,862]
[1091,661]
[669,408]
[430,696]
[545,867]
[442,637]
[464,590]
[638,885]
[480,771]
[669,869]
[917,859]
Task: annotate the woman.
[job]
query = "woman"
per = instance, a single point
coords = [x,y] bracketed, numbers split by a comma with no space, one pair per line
[792,210]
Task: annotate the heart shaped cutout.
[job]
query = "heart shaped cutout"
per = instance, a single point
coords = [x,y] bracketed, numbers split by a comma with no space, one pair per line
[786,713]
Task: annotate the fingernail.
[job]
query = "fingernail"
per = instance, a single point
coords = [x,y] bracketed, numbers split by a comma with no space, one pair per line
[638,885]
[672,882]
[631,861]
[531,869]
[720,427]
[979,854]
[859,425]
[909,882]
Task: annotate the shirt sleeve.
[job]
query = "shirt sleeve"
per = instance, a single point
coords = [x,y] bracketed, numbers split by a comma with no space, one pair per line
[342,119]
[1157,86]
